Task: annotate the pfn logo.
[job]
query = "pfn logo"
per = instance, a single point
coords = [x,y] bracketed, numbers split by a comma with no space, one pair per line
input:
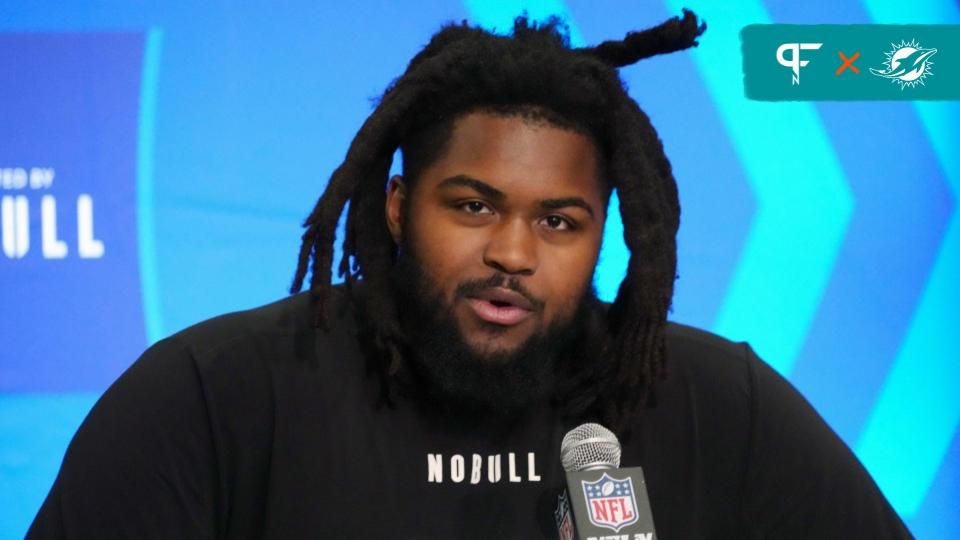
[794,62]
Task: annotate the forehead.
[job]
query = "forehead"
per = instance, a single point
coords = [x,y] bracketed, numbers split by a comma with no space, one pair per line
[520,155]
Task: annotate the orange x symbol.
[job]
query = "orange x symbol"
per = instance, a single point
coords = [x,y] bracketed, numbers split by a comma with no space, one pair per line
[848,63]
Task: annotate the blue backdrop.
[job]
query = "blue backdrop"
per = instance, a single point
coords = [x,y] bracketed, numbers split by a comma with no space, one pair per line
[156,159]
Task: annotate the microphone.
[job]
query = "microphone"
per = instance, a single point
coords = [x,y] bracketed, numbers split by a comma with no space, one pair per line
[601,500]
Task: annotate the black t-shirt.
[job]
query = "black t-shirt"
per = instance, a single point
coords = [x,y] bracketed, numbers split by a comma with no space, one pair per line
[257,425]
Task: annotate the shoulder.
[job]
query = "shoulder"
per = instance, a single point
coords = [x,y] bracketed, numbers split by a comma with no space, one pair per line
[291,315]
[691,344]
[198,366]
[270,330]
[707,398]
[729,383]
[237,360]
[682,336]
[709,363]
[250,355]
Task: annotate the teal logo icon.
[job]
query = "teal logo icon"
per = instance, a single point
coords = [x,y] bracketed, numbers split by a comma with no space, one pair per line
[856,62]
[907,64]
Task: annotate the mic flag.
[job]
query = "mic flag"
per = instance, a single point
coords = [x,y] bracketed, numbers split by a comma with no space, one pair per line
[601,504]
[601,501]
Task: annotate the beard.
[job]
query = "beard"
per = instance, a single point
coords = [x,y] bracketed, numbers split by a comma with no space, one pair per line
[452,373]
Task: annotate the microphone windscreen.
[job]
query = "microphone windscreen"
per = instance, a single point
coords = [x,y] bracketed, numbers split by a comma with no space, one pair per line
[588,447]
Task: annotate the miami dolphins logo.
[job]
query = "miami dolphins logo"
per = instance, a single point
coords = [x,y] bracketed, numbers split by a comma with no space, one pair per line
[907,64]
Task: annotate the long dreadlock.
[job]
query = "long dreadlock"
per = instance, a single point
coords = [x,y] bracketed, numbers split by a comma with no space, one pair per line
[464,69]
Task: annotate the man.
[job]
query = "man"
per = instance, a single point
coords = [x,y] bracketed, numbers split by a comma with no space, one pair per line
[427,396]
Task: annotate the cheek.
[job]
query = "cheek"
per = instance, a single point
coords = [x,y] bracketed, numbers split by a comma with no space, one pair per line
[446,252]
[570,275]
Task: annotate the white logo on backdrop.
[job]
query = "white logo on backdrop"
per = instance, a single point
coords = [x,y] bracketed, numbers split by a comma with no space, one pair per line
[27,190]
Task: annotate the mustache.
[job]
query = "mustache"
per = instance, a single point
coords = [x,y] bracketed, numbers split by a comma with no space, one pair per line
[475,286]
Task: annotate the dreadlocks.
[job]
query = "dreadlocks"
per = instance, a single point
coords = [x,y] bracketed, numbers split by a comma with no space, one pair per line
[534,71]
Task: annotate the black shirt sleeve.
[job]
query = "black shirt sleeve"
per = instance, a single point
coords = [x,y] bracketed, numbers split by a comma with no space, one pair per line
[802,480]
[142,463]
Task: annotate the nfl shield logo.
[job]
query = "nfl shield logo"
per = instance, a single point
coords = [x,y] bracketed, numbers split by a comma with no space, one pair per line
[610,502]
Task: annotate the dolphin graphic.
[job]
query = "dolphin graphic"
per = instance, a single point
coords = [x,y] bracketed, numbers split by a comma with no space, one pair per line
[907,64]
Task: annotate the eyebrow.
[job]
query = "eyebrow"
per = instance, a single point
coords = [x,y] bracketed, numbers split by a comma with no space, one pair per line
[485,189]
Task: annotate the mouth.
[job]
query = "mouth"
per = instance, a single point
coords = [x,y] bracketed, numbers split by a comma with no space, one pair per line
[500,306]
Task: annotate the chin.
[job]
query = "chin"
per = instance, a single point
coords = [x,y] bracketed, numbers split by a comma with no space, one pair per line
[492,341]
[493,354]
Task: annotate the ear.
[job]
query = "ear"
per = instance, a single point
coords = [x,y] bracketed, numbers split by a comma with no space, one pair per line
[396,199]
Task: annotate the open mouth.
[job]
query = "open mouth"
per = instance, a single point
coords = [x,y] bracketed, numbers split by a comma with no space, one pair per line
[500,306]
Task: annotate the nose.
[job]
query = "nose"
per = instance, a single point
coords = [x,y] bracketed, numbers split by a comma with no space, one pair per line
[512,248]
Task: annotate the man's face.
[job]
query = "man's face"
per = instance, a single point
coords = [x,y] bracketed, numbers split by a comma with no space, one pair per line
[511,202]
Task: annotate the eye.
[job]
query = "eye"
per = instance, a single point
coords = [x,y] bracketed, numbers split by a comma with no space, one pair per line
[558,223]
[475,208]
